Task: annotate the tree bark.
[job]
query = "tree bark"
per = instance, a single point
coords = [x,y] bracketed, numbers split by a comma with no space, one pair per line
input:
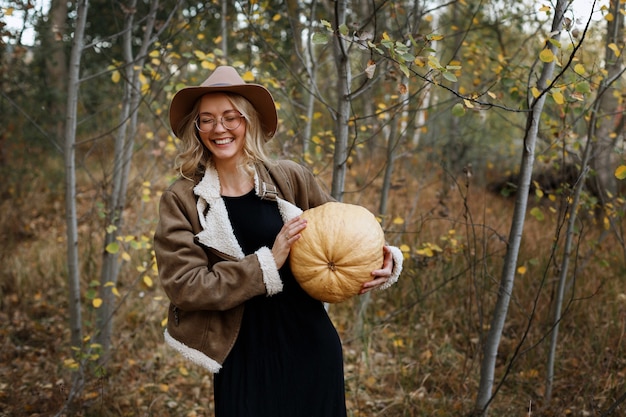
[342,114]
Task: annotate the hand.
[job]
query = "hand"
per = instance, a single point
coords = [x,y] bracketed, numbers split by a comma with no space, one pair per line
[380,276]
[287,236]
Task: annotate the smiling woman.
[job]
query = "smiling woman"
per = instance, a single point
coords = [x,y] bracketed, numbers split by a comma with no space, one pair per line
[226,228]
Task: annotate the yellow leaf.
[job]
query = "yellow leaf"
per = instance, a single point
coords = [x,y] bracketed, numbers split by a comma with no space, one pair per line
[492,95]
[115,292]
[9,11]
[248,76]
[164,387]
[620,172]
[579,69]
[521,270]
[558,97]
[609,17]
[398,342]
[148,281]
[97,302]
[126,256]
[154,54]
[428,252]
[276,17]
[535,92]
[208,65]
[468,103]
[607,223]
[70,364]
[199,54]
[545,8]
[183,371]
[115,76]
[405,248]
[546,55]
[615,49]
[398,220]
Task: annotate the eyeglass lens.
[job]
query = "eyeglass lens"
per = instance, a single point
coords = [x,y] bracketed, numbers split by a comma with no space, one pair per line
[230,120]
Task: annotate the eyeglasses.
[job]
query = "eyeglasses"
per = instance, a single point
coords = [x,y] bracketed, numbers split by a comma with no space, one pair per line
[230,120]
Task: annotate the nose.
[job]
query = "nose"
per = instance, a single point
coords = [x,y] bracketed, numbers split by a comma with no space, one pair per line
[219,126]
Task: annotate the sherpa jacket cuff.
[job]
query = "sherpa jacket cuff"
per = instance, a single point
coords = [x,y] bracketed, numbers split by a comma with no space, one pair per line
[398,258]
[271,278]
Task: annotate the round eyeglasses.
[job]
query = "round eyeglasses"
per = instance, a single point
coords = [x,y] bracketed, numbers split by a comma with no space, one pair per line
[230,120]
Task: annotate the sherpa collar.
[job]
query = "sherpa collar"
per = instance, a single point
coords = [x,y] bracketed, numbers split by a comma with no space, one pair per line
[217,230]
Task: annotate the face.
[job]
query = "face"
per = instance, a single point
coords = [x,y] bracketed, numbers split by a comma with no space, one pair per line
[225,143]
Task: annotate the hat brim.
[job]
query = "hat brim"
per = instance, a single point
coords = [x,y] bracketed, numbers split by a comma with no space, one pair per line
[260,98]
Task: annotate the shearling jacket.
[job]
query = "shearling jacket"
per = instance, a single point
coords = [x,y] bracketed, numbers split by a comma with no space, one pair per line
[202,267]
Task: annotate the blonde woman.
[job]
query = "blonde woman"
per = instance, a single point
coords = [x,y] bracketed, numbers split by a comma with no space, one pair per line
[225,230]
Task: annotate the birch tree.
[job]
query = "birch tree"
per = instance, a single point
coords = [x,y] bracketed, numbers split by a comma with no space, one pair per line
[123,152]
[494,335]
[71,218]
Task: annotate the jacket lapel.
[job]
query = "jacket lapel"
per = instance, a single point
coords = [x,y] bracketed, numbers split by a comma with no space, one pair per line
[217,230]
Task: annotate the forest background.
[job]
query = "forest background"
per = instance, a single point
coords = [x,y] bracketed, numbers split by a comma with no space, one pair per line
[486,135]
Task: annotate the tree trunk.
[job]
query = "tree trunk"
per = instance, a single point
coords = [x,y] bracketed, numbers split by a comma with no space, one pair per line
[56,62]
[608,130]
[342,115]
[71,218]
[492,341]
[123,153]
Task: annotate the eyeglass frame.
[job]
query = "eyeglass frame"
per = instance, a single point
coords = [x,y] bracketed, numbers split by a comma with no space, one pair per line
[221,121]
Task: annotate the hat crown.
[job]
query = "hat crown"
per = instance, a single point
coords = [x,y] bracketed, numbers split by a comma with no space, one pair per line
[223,76]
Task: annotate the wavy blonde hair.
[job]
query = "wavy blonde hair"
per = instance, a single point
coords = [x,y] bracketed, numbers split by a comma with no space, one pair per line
[194,157]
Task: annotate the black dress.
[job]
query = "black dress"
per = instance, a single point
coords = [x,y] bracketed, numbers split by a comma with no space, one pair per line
[287,360]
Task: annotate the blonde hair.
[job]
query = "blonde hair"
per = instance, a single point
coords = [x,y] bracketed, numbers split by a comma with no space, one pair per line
[194,157]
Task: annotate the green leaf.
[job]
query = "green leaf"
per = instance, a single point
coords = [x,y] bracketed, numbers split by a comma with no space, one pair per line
[449,76]
[583,87]
[458,110]
[343,29]
[537,213]
[405,70]
[320,38]
[113,247]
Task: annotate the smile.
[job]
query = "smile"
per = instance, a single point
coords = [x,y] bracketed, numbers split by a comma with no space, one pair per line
[223,141]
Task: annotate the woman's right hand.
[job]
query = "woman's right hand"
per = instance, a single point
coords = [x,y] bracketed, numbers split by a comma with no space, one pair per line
[287,236]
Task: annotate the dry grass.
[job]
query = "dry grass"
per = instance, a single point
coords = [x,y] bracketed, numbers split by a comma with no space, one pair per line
[418,353]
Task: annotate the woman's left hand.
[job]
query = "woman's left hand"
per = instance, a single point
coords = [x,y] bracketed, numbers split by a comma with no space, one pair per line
[380,276]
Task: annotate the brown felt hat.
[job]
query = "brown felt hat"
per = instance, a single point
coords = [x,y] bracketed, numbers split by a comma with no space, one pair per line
[225,79]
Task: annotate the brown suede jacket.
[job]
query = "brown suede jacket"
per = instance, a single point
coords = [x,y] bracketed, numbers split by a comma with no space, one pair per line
[202,267]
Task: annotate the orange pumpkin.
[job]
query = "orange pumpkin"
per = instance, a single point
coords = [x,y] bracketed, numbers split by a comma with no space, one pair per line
[337,251]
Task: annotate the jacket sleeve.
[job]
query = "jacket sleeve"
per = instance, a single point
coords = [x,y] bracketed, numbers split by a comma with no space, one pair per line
[194,278]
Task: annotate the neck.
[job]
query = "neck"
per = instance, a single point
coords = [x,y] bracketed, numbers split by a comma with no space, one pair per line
[234,180]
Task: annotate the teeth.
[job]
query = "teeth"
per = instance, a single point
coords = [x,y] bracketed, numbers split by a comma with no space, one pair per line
[223,141]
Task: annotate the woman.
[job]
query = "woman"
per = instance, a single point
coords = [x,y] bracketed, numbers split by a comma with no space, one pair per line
[225,230]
